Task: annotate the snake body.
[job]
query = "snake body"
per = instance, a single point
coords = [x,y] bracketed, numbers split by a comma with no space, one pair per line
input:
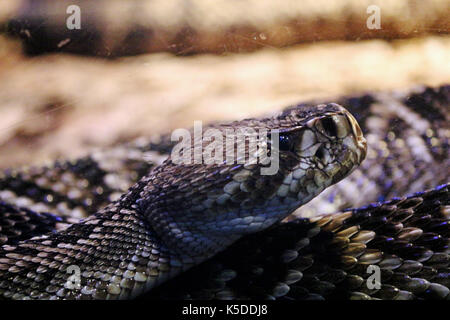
[302,259]
[331,257]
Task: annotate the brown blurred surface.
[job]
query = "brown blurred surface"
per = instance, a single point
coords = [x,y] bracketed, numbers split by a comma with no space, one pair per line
[118,27]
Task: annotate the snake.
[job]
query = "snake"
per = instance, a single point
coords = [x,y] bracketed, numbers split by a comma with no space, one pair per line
[220,224]
[179,215]
[121,217]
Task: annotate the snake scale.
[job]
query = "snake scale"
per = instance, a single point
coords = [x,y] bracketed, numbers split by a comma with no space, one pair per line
[151,233]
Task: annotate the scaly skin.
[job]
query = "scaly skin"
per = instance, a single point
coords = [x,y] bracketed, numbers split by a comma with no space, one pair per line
[329,257]
[179,215]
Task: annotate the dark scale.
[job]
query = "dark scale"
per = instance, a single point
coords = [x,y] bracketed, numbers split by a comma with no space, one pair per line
[86,168]
[432,104]
[25,187]
[83,169]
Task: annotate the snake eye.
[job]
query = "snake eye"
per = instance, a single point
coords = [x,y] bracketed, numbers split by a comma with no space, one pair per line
[336,126]
[285,143]
[329,125]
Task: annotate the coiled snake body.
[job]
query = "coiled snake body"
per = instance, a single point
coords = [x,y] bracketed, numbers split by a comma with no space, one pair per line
[178,216]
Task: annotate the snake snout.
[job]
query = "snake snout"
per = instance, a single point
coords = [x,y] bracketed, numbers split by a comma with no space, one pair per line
[352,135]
[360,141]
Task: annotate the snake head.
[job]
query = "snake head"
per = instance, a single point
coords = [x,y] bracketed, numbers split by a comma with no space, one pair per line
[199,209]
[325,146]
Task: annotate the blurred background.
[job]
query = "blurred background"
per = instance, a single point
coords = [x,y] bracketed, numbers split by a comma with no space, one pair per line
[81,74]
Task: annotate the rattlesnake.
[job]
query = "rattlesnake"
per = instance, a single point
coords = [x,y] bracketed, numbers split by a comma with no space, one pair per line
[181,214]
[33,268]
